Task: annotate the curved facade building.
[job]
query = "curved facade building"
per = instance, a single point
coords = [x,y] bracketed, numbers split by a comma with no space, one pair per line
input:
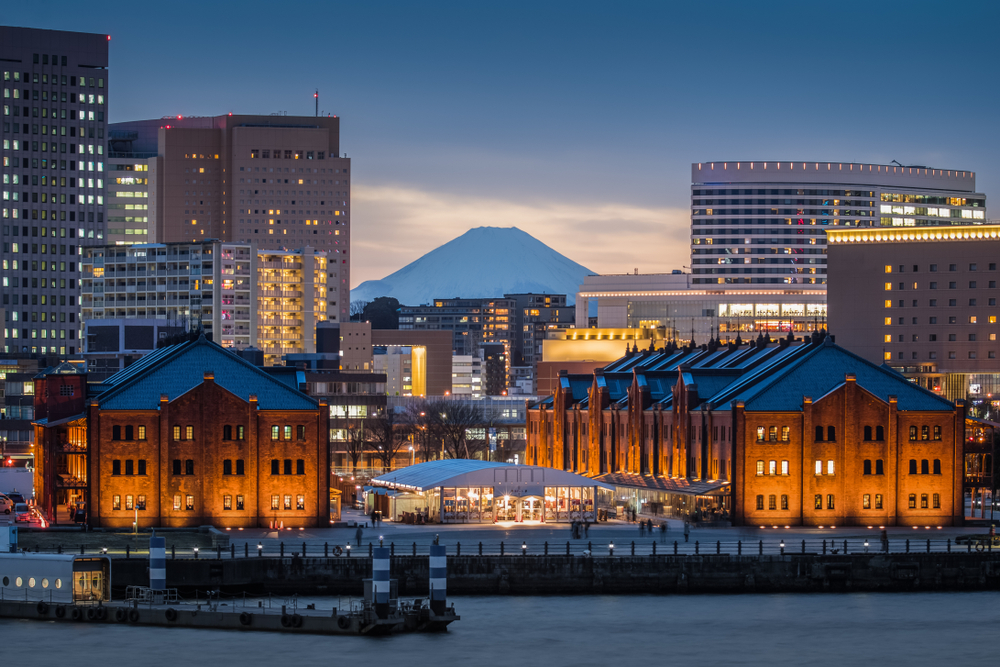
[766,222]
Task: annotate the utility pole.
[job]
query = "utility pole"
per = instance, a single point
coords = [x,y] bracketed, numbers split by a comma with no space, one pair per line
[316,97]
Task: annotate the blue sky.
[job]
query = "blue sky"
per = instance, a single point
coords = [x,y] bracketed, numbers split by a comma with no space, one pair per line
[575,121]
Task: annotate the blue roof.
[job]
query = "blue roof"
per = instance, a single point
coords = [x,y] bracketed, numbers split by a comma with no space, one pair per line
[822,371]
[177,369]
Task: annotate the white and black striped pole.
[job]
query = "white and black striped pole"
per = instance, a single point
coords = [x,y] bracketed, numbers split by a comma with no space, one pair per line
[158,563]
[380,581]
[438,578]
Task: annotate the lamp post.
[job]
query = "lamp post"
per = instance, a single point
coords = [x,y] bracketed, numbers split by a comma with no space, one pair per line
[411,454]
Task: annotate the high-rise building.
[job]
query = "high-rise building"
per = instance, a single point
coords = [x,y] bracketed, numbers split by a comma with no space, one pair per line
[766,222]
[471,321]
[923,301]
[277,181]
[533,315]
[241,294]
[127,191]
[466,376]
[53,171]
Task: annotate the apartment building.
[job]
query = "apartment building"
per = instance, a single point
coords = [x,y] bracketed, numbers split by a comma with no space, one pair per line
[239,293]
[766,222]
[52,175]
[277,181]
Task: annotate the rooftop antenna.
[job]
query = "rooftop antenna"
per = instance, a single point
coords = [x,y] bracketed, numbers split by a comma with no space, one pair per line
[316,97]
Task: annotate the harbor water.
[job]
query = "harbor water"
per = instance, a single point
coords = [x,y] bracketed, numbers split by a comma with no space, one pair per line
[791,629]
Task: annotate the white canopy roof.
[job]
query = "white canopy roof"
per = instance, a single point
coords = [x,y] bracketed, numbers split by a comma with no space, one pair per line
[469,472]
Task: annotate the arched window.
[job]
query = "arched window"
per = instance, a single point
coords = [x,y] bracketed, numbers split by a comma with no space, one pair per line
[924,467]
[760,502]
[819,433]
[879,467]
[275,467]
[868,432]
[227,467]
[925,432]
[937,501]
[923,501]
[300,467]
[913,433]
[937,466]
[913,466]
[227,432]
[760,469]
[818,501]
[937,432]
[288,466]
[831,433]
[784,502]
[240,467]
[772,502]
[129,432]
[913,501]
[760,434]
[829,501]
[772,434]
[879,433]
[785,432]
[868,467]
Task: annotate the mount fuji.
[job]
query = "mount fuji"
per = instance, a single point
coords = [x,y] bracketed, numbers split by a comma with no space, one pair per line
[481,263]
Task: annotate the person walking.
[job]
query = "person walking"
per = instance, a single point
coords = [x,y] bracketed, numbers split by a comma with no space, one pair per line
[663,532]
[885,541]
[358,533]
[586,528]
[642,529]
[649,526]
[687,530]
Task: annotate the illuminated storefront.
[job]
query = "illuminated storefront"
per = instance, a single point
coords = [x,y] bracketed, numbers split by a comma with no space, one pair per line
[468,491]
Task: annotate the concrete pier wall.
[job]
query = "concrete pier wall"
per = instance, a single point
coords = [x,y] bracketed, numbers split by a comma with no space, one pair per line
[551,575]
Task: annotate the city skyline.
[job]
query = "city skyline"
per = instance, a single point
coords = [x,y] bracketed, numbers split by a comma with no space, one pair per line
[466,116]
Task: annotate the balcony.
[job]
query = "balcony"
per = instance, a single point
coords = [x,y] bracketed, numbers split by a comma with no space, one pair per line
[274,322]
[283,294]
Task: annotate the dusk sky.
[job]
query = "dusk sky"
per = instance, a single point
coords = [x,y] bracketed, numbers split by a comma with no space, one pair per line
[574,121]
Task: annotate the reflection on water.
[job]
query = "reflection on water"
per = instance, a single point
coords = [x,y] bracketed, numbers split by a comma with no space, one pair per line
[833,629]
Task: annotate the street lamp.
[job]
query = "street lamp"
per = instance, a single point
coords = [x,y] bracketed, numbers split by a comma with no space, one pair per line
[782,547]
[524,548]
[196,553]
[611,549]
[348,550]
[260,549]
[411,454]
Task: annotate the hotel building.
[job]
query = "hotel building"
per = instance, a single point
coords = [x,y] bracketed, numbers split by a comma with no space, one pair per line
[765,222]
[241,294]
[52,179]
[922,300]
[276,181]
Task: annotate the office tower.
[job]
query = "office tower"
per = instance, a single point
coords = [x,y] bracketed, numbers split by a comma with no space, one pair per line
[765,222]
[55,97]
[276,181]
[923,301]
[239,293]
[128,191]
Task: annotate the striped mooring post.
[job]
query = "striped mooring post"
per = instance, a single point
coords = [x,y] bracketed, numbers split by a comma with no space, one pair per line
[438,578]
[380,581]
[158,563]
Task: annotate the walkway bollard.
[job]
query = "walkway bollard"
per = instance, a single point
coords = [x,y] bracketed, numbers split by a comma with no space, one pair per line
[414,548]
[739,547]
[380,581]
[127,551]
[633,547]
[246,550]
[969,545]
[173,551]
[567,547]
[392,549]
[480,548]
[546,547]
[696,546]
[218,552]
[326,550]
[760,547]
[928,546]
[501,547]
[675,547]
[718,547]
[157,563]
[458,548]
[81,552]
[824,547]
[370,550]
[303,549]
[438,571]
[282,546]
[803,546]
[845,547]
[232,552]
[949,545]
[907,545]
[59,549]
[590,547]
[654,548]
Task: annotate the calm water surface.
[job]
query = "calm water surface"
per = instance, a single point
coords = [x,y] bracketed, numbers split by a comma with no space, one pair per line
[835,629]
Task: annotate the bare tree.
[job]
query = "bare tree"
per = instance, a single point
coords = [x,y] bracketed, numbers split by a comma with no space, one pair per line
[357,437]
[387,433]
[358,309]
[458,423]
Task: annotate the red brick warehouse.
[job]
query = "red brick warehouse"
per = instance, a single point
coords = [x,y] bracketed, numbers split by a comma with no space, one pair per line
[187,436]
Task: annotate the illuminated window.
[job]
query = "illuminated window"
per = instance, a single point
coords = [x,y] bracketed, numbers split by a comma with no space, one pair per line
[275,432]
[116,502]
[300,502]
[276,502]
[878,501]
[177,433]
[829,467]
[784,502]
[785,431]
[887,338]
[288,432]
[760,433]
[818,501]
[177,503]
[888,321]
[772,502]
[888,287]
[288,502]
[829,502]
[760,502]
[784,468]
[937,501]
[772,467]
[772,433]
[866,501]
[760,467]
[227,502]
[189,432]
[888,303]
[819,467]
[888,269]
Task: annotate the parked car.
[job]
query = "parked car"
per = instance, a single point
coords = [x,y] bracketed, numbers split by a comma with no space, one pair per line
[6,504]
[15,497]
[22,512]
